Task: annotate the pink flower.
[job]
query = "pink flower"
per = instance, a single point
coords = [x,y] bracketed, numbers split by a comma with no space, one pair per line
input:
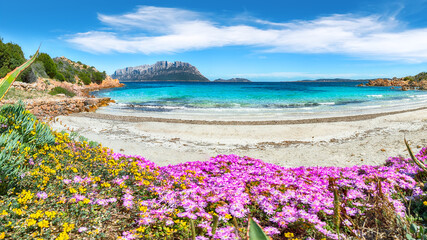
[41,195]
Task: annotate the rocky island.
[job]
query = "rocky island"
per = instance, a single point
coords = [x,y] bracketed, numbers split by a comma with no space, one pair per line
[160,71]
[232,80]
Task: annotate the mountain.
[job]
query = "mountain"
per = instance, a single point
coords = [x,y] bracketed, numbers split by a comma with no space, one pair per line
[232,80]
[160,71]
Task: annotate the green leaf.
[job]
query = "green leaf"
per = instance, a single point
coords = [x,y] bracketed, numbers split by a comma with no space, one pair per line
[413,228]
[418,162]
[6,82]
[256,232]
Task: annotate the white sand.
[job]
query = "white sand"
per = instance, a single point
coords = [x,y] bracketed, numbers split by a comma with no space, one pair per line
[342,143]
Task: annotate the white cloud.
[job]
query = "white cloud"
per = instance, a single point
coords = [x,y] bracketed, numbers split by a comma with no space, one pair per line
[169,30]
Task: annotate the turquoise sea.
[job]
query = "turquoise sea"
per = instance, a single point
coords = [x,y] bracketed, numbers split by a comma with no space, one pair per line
[263,99]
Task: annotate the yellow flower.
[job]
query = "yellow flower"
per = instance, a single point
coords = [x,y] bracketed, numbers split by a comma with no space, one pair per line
[425,203]
[86,201]
[63,236]
[51,214]
[289,235]
[37,215]
[2,235]
[68,227]
[43,224]
[72,190]
[31,222]
[228,216]
[4,213]
[18,211]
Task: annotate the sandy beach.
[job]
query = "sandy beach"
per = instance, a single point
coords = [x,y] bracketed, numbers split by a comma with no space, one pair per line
[341,141]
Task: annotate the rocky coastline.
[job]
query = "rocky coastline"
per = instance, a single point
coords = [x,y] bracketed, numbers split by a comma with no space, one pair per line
[60,104]
[397,82]
[52,107]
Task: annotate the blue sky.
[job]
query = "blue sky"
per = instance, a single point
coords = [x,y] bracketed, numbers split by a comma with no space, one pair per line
[260,40]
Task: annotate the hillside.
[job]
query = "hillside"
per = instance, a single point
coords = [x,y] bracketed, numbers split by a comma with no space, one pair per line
[60,68]
[161,71]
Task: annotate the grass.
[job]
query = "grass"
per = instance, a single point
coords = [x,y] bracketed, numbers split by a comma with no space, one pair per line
[60,90]
[17,94]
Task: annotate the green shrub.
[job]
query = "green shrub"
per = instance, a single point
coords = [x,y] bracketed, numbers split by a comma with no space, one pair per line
[85,78]
[60,77]
[60,90]
[20,133]
[48,63]
[11,56]
[98,77]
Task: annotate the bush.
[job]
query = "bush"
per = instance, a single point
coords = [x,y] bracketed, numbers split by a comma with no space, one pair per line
[98,77]
[31,74]
[60,90]
[48,63]
[60,77]
[85,78]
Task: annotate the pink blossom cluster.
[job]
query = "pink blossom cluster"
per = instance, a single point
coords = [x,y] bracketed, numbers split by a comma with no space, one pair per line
[233,186]
[230,186]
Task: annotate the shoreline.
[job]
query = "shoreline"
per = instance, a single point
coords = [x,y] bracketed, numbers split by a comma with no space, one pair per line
[350,118]
[357,140]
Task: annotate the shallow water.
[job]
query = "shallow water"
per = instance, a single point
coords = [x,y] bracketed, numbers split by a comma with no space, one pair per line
[258,100]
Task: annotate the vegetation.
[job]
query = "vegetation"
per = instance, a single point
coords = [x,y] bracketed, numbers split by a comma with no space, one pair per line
[11,56]
[60,90]
[49,65]
[70,189]
[6,82]
[69,70]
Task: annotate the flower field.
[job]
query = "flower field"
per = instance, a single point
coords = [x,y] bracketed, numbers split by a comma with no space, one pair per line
[70,189]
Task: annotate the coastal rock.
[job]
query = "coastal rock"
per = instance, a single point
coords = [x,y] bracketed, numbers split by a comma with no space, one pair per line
[107,83]
[161,71]
[55,107]
[398,82]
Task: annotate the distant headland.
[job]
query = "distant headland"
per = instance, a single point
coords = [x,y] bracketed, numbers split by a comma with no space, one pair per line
[167,71]
[161,71]
[232,80]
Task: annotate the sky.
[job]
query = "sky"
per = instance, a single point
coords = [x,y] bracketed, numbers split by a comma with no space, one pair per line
[265,40]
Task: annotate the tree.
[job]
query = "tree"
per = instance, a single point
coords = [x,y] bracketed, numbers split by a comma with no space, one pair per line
[11,57]
[49,64]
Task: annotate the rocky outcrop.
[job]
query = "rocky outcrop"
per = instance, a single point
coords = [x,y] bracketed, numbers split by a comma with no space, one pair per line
[44,108]
[107,83]
[161,71]
[387,83]
[398,82]
[232,80]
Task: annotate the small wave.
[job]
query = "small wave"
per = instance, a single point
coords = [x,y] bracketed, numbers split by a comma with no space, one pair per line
[375,96]
[328,103]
